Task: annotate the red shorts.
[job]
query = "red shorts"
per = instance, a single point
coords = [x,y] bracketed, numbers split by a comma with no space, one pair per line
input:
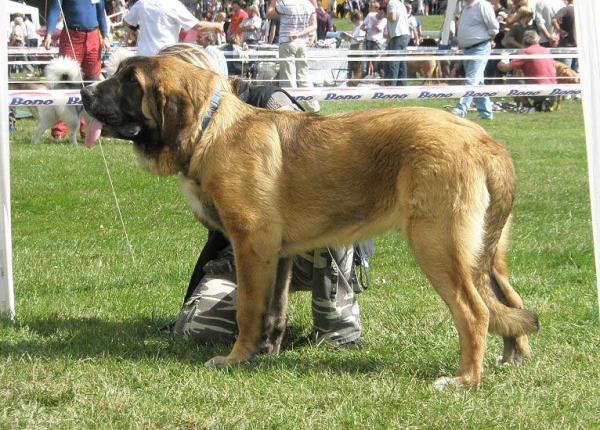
[86,45]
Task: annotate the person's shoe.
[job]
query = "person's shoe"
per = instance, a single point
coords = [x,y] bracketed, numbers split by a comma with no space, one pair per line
[458,113]
[485,118]
[353,344]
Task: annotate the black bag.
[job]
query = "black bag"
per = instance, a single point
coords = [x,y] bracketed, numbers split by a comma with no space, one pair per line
[361,280]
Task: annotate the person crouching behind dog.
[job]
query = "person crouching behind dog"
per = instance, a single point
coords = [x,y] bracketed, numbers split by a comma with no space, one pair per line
[333,275]
[535,70]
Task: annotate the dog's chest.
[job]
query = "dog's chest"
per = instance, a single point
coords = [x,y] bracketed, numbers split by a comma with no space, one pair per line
[202,207]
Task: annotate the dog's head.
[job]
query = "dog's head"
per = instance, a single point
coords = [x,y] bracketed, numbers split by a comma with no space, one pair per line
[156,102]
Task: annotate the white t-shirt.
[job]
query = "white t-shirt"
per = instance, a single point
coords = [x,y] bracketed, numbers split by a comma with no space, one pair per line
[160,22]
[375,28]
[359,36]
[253,35]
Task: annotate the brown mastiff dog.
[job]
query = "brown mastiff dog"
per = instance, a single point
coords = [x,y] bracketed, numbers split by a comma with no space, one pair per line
[281,182]
[564,75]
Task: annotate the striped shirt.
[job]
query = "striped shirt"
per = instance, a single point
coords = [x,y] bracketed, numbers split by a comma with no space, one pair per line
[294,17]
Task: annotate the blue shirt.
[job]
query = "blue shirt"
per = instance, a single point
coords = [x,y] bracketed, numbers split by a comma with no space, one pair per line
[83,14]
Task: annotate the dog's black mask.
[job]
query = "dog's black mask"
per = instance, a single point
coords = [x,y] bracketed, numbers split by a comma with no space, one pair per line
[116,103]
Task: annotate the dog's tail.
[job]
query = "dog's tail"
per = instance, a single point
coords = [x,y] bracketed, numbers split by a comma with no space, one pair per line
[112,63]
[507,316]
[63,72]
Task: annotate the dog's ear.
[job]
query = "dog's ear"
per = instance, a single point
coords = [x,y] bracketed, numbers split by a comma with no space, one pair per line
[175,116]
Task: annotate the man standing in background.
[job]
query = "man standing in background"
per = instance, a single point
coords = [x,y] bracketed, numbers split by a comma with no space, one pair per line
[545,10]
[477,27]
[398,30]
[237,16]
[297,22]
[324,22]
[84,23]
[564,24]
[160,22]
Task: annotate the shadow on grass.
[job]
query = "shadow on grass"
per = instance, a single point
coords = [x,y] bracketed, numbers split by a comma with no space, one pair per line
[140,340]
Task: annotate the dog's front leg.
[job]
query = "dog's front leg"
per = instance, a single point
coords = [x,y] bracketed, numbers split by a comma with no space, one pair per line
[256,273]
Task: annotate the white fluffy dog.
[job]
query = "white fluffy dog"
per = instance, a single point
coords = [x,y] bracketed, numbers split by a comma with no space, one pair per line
[61,73]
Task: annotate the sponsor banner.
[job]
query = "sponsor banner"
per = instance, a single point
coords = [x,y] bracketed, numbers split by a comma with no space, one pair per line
[411,53]
[44,98]
[430,92]
[73,97]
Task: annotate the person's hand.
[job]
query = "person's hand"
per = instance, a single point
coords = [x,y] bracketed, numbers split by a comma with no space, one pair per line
[48,41]
[106,44]
[504,67]
[293,36]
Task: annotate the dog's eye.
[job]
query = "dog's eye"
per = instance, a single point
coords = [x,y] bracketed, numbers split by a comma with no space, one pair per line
[132,79]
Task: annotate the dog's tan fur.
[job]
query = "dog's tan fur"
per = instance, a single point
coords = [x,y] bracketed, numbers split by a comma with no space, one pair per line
[427,69]
[564,75]
[281,182]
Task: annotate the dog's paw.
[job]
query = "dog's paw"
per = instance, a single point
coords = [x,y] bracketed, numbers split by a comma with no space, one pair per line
[230,360]
[218,361]
[506,361]
[445,382]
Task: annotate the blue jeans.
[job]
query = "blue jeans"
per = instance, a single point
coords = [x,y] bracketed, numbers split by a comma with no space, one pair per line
[474,75]
[372,46]
[397,71]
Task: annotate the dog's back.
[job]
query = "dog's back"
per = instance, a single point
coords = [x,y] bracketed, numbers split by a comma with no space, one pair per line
[338,150]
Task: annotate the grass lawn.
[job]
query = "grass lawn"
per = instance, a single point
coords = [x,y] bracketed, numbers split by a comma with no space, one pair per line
[83,351]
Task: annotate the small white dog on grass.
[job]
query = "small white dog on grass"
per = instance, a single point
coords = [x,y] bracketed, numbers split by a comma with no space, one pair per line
[61,73]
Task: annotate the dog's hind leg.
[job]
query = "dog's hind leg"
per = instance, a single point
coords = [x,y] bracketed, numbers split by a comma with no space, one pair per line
[445,262]
[44,123]
[276,320]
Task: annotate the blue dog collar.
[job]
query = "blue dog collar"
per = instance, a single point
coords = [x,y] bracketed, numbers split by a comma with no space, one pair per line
[214,104]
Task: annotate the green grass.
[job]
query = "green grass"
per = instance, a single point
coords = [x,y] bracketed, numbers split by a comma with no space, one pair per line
[428,23]
[83,350]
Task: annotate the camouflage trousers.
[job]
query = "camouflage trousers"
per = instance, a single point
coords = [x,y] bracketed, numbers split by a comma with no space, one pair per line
[209,313]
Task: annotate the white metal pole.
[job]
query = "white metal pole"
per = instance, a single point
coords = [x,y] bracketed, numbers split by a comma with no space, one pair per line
[451,7]
[587,16]
[7,300]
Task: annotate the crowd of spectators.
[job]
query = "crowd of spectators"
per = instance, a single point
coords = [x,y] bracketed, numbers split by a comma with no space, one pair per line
[381,26]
